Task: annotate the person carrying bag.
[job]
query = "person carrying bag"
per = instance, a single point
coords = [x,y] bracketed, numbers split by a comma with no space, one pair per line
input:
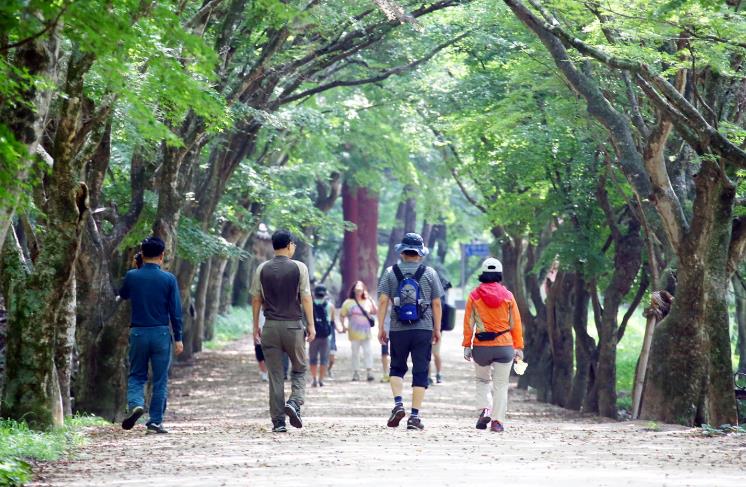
[493,339]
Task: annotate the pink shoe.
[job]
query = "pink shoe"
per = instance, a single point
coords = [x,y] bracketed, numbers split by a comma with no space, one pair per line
[496,427]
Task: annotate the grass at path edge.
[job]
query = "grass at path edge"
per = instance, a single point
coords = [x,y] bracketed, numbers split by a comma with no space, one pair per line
[20,445]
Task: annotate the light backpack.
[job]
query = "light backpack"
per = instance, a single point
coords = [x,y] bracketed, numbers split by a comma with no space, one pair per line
[408,304]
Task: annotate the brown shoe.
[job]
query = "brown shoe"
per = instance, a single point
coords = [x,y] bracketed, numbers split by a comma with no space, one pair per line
[496,427]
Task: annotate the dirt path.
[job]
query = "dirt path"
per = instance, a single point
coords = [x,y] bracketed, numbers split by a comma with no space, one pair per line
[220,435]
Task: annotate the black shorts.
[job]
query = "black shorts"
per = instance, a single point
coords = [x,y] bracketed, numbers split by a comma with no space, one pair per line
[258,353]
[419,344]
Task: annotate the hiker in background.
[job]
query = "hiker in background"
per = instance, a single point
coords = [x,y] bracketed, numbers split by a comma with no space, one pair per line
[318,349]
[357,314]
[281,287]
[413,290]
[333,347]
[446,318]
[156,303]
[493,339]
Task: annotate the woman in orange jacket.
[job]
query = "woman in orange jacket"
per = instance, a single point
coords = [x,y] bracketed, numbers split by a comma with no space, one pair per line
[493,339]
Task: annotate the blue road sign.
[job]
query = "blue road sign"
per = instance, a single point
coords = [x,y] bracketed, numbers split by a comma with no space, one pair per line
[477,249]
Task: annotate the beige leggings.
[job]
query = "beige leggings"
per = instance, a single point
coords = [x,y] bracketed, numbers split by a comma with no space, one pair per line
[492,388]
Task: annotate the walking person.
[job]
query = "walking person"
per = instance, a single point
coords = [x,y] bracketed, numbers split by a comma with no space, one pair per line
[156,304]
[493,339]
[282,289]
[357,314]
[413,290]
[324,322]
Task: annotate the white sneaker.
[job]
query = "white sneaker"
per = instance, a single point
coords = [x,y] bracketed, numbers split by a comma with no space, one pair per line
[263,377]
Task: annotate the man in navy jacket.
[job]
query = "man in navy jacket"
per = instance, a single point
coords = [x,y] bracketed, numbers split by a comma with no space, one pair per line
[156,303]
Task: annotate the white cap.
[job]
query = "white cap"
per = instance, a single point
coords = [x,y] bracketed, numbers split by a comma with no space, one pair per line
[492,265]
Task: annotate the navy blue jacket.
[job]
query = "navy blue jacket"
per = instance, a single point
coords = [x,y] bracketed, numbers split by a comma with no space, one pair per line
[155,298]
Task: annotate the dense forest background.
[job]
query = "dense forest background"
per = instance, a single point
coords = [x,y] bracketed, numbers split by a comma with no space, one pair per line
[600,148]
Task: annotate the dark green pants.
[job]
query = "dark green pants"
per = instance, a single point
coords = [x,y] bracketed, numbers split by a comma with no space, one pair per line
[287,337]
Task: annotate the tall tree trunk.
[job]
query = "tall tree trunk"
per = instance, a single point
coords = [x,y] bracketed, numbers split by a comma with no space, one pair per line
[212,302]
[367,238]
[689,380]
[242,283]
[397,232]
[65,343]
[100,381]
[350,251]
[559,325]
[38,58]
[185,272]
[34,302]
[200,304]
[740,292]
[410,210]
[583,346]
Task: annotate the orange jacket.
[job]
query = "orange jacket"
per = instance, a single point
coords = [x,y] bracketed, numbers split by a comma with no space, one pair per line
[487,309]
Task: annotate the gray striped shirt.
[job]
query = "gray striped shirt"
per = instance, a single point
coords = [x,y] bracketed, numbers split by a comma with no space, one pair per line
[430,288]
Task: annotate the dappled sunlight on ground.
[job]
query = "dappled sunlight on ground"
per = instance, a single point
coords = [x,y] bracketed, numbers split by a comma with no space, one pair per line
[220,435]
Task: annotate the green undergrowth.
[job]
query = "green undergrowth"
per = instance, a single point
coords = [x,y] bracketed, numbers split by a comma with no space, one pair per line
[20,445]
[230,327]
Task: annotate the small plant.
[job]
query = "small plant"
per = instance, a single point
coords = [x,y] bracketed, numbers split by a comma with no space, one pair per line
[14,472]
[652,426]
[19,443]
[723,429]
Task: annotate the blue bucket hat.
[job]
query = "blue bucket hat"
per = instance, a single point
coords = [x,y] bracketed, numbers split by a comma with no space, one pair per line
[412,241]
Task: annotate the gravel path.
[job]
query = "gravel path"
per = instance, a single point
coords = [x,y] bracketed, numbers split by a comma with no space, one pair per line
[220,436]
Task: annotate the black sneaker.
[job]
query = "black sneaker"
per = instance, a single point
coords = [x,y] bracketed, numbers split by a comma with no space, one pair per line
[438,379]
[129,421]
[156,428]
[484,420]
[293,412]
[279,427]
[415,423]
[397,414]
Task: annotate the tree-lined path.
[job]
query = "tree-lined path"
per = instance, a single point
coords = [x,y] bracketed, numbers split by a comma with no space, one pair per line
[220,435]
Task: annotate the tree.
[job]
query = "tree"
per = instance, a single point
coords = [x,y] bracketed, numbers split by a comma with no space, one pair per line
[692,384]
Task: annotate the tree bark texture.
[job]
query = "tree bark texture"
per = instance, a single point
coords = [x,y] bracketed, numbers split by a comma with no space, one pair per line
[559,303]
[200,303]
[689,378]
[65,344]
[397,232]
[367,237]
[740,292]
[350,251]
[38,58]
[584,346]
[35,301]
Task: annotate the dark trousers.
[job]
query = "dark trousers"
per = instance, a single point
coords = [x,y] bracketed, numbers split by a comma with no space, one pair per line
[418,343]
[149,345]
[280,337]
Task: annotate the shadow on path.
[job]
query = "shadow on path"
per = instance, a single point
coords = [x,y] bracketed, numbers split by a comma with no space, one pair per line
[220,436]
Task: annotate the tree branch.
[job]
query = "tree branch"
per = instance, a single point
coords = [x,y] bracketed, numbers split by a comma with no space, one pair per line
[641,290]
[373,79]
[678,107]
[47,27]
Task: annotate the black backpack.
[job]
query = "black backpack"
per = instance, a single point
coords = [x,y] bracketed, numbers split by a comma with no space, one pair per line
[321,320]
